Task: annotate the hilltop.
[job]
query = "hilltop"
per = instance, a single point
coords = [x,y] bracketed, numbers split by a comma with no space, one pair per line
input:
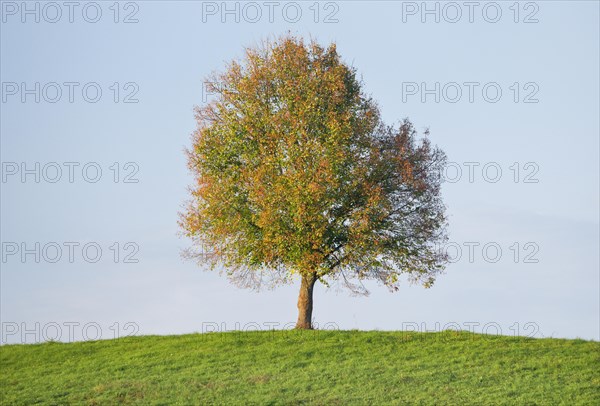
[300,367]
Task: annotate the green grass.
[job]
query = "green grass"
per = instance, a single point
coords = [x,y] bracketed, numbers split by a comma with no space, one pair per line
[304,367]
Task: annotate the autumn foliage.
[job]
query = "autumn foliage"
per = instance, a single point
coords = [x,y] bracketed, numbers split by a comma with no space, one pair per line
[296,174]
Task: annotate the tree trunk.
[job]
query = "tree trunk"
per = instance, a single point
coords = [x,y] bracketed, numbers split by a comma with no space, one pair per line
[305,302]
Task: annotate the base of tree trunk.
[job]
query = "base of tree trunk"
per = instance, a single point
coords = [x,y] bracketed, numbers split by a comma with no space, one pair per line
[305,302]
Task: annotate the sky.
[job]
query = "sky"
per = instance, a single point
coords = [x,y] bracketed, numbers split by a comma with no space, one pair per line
[97,109]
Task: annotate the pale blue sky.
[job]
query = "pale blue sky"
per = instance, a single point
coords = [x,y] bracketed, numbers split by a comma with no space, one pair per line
[168,53]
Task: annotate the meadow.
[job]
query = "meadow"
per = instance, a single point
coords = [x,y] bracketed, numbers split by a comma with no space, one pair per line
[304,367]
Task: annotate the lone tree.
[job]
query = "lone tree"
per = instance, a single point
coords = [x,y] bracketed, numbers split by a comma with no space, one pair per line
[295,173]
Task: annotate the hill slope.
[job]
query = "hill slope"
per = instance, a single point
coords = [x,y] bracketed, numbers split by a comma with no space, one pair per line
[320,367]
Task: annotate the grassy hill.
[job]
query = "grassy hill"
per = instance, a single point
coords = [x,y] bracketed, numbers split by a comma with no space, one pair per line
[300,367]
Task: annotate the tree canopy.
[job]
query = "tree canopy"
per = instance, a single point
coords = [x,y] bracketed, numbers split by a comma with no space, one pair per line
[296,174]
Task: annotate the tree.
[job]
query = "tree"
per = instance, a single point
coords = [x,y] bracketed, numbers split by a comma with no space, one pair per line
[296,174]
